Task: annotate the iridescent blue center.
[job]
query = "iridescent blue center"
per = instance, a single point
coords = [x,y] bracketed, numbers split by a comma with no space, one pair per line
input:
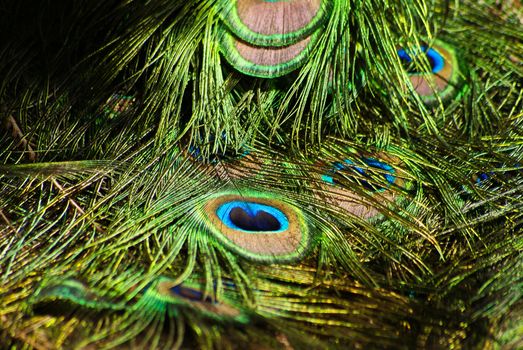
[482,177]
[348,164]
[252,217]
[437,62]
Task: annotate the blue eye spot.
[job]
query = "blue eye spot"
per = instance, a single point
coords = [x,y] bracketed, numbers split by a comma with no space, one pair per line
[436,60]
[388,172]
[481,177]
[252,217]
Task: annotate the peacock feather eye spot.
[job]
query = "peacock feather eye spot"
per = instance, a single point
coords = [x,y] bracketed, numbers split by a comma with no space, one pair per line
[270,38]
[385,170]
[274,22]
[257,226]
[266,61]
[353,185]
[444,80]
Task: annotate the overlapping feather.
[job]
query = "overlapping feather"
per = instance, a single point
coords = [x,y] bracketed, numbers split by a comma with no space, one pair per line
[103,204]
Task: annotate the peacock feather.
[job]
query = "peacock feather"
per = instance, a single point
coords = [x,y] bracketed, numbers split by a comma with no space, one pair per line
[443,78]
[320,174]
